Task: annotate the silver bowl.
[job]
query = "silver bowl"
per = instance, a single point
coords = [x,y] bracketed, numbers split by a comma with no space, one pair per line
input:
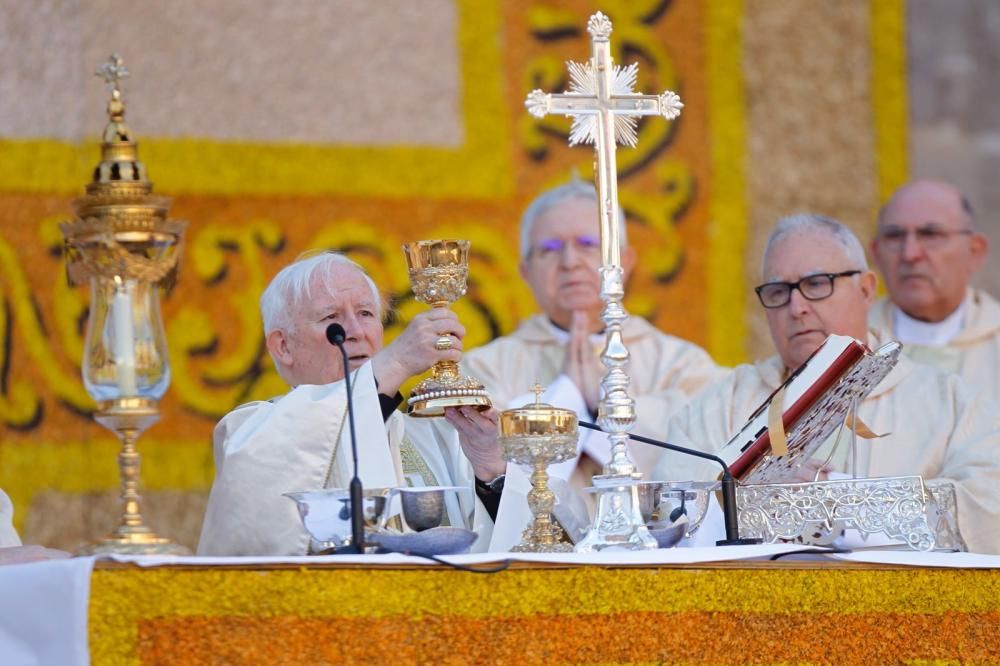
[685,498]
[668,534]
[426,507]
[326,514]
[423,508]
[649,498]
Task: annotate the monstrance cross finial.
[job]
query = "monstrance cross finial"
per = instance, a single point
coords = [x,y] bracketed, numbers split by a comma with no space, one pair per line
[113,71]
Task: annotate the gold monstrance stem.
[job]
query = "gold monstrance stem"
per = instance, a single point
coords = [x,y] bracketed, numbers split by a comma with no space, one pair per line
[128,418]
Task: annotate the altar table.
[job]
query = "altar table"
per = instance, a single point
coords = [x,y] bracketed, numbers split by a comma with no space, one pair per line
[737,612]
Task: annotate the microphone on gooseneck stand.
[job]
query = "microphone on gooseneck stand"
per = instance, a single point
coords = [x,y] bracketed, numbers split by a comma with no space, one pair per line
[728,486]
[336,335]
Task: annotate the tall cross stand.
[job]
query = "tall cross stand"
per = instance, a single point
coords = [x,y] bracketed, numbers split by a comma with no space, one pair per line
[604,111]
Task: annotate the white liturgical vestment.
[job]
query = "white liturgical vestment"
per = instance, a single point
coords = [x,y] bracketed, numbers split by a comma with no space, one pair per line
[664,373]
[8,535]
[301,441]
[936,426]
[973,353]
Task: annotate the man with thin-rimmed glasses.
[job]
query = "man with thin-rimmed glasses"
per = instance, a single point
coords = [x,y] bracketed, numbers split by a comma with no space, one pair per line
[815,283]
[928,248]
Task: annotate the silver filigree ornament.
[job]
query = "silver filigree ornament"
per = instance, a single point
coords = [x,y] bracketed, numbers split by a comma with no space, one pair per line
[818,512]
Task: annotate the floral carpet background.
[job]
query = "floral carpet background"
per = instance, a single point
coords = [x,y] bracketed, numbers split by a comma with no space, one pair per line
[279,128]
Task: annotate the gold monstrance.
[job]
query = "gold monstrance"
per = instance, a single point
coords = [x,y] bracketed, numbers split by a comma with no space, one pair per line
[604,108]
[123,244]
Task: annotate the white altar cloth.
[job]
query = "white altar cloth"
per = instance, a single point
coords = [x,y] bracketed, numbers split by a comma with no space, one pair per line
[43,605]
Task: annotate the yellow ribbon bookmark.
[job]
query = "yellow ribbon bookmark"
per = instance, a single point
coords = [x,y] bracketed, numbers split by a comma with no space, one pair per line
[775,426]
[857,425]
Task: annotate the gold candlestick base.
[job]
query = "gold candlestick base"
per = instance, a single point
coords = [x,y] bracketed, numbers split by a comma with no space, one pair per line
[128,418]
[133,543]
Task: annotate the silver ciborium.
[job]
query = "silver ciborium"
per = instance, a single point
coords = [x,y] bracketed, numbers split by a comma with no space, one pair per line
[122,243]
[438,272]
[538,435]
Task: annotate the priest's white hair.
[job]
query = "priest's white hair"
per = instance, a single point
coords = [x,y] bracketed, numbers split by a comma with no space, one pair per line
[811,223]
[574,189]
[292,286]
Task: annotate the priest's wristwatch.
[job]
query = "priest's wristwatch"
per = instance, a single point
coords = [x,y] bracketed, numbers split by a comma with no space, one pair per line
[494,487]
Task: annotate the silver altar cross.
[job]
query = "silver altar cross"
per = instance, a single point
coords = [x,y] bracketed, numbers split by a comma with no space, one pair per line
[604,111]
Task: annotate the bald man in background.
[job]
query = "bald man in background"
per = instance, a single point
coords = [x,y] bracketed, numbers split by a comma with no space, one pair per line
[928,249]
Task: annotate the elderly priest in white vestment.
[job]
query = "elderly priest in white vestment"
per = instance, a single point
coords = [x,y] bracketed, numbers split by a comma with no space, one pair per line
[928,249]
[817,283]
[299,441]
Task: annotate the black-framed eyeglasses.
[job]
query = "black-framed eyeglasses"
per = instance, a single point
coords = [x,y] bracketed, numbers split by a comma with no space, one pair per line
[930,236]
[812,287]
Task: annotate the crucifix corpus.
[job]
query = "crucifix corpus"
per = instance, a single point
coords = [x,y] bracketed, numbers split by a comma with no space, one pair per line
[604,111]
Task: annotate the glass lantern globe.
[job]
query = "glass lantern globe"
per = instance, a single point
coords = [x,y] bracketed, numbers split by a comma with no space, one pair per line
[126,348]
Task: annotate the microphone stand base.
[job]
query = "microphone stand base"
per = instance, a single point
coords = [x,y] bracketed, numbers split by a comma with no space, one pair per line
[748,541]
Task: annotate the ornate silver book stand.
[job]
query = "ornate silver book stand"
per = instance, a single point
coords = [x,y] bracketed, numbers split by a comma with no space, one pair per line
[901,508]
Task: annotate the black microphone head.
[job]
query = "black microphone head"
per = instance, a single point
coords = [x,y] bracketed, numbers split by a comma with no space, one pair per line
[336,334]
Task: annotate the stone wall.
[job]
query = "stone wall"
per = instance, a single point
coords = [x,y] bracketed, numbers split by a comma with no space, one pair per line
[954,73]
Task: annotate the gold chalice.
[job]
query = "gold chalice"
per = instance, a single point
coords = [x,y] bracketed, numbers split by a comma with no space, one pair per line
[438,273]
[538,435]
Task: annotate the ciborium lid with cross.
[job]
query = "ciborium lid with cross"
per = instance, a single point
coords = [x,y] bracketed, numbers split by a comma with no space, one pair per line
[604,109]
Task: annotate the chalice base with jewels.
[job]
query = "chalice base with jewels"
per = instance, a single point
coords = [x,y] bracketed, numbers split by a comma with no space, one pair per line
[431,396]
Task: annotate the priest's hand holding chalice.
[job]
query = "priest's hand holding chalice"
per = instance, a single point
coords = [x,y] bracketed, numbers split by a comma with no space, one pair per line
[439,271]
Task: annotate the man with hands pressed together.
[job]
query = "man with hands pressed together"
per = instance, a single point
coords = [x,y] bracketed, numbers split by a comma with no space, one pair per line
[561,347]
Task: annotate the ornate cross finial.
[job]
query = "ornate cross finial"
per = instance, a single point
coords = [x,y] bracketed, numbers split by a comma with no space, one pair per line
[113,71]
[538,390]
[599,26]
